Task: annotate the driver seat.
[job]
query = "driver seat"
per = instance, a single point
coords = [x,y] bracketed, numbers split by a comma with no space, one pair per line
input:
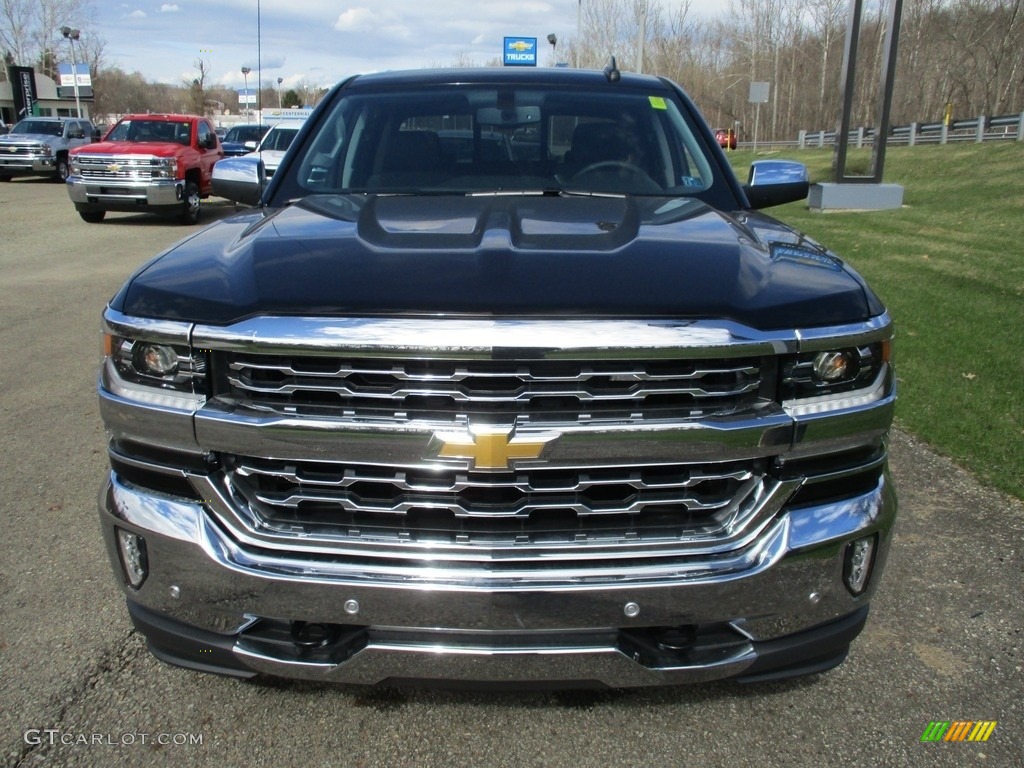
[597,142]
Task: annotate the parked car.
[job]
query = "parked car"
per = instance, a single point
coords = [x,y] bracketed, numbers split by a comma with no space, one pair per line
[275,143]
[726,138]
[584,416]
[242,139]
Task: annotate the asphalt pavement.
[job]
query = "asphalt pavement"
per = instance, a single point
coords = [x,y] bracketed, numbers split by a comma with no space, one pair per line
[78,688]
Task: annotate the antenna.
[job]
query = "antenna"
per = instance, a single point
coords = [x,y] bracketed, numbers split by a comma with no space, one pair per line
[611,71]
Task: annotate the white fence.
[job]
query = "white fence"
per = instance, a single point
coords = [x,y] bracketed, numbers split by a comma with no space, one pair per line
[978,129]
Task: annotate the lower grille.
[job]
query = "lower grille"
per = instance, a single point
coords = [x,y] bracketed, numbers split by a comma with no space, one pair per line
[561,507]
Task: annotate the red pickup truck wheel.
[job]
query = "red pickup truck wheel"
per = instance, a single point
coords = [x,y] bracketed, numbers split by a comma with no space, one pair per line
[93,217]
[190,207]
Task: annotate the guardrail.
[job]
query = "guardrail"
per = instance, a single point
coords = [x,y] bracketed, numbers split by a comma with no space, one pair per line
[976,129]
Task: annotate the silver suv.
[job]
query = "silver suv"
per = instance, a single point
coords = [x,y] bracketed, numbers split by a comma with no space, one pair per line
[38,146]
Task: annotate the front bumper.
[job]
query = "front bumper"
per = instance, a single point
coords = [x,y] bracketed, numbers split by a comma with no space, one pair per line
[10,166]
[125,195]
[778,608]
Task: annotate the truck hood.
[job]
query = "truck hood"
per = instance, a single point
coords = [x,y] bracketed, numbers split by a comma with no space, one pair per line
[28,138]
[156,148]
[499,255]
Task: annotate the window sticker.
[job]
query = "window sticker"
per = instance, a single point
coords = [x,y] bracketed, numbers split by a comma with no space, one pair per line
[658,102]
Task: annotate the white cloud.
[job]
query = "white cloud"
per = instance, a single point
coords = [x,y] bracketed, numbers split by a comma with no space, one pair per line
[169,8]
[137,15]
[355,19]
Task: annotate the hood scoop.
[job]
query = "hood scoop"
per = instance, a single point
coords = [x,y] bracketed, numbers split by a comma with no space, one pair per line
[521,222]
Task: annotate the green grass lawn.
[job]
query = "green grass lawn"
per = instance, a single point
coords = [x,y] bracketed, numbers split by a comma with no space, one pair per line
[950,267]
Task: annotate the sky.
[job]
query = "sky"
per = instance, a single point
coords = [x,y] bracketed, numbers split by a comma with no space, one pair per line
[319,42]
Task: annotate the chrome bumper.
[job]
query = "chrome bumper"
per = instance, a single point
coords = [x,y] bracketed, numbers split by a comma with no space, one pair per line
[130,193]
[28,164]
[409,623]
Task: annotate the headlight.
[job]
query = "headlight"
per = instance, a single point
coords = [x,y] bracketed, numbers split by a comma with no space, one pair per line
[833,371]
[165,168]
[156,364]
[74,166]
[46,149]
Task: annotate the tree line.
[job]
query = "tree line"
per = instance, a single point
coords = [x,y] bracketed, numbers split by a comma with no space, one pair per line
[961,55]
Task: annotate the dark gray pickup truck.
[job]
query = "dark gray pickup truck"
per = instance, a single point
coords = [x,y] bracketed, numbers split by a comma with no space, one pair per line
[505,378]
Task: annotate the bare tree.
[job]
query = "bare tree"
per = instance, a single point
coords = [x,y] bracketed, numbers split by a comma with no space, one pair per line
[30,31]
[197,87]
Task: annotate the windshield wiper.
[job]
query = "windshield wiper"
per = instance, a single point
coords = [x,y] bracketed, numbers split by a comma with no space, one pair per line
[542,192]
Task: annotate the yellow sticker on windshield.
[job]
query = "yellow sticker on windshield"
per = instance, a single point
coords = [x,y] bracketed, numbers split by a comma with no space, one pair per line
[658,102]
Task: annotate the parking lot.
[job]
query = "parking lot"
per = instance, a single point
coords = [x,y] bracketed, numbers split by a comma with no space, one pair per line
[943,643]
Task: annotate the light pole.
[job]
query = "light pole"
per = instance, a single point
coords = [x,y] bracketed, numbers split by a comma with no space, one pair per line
[553,39]
[279,81]
[245,93]
[579,40]
[72,35]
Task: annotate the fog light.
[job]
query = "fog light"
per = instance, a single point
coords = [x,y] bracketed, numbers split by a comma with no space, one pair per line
[134,560]
[860,556]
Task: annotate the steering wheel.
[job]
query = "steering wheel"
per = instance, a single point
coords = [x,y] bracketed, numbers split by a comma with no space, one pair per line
[610,165]
[643,181]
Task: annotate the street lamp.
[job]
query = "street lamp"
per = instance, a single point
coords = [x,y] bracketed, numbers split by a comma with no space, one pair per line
[245,93]
[279,81]
[554,41]
[72,35]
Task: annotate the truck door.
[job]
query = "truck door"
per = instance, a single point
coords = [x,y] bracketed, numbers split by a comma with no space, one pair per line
[210,151]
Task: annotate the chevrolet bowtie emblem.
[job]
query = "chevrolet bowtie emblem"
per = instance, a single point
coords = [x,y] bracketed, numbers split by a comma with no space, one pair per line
[490,447]
[114,167]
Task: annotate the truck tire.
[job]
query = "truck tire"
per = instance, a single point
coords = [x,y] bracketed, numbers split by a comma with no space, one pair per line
[190,204]
[93,217]
[62,170]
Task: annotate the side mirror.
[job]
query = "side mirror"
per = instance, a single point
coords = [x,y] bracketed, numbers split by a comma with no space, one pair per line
[774,182]
[238,179]
[211,141]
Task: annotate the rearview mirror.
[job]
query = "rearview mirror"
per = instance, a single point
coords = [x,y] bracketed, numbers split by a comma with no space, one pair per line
[512,116]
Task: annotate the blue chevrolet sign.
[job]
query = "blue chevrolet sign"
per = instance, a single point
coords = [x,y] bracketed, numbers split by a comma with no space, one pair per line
[520,51]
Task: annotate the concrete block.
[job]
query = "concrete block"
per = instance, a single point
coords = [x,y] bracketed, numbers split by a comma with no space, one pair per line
[858,197]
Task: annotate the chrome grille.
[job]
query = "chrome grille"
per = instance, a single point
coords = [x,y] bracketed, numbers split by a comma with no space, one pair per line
[100,168]
[21,150]
[560,507]
[555,390]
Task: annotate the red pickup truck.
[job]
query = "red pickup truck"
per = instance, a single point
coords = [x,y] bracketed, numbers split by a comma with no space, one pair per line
[146,163]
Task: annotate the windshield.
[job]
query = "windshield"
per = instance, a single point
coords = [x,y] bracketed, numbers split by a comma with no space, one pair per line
[278,138]
[44,127]
[179,132]
[243,133]
[485,138]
